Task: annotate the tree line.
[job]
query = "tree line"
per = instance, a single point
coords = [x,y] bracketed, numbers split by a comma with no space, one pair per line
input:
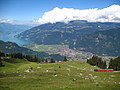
[113,64]
[30,58]
[96,61]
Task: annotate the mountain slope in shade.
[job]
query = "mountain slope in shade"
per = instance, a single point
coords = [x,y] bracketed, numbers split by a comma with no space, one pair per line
[10,47]
[102,42]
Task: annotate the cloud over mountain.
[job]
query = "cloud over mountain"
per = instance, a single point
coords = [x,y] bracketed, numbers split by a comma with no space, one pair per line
[109,14]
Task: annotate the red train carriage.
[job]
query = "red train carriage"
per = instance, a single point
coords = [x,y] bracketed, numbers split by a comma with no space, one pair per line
[103,70]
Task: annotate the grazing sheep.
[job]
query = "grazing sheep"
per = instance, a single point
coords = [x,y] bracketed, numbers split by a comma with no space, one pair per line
[20,75]
[55,75]
[46,70]
[27,70]
[81,74]
[38,67]
[74,79]
[90,75]
[68,69]
[86,78]
[82,77]
[68,74]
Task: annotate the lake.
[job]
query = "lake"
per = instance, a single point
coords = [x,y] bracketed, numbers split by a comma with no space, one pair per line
[12,38]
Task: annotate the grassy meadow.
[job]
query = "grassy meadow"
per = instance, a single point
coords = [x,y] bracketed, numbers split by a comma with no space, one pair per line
[72,75]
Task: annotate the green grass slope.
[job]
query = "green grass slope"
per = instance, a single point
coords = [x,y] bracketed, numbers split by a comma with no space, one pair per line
[74,75]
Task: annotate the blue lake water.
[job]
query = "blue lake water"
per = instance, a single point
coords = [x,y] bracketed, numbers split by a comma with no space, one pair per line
[12,38]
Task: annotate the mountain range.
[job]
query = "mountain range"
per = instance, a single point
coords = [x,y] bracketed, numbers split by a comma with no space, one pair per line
[7,28]
[97,37]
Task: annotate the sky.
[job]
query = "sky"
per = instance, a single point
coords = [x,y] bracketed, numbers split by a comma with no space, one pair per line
[29,10]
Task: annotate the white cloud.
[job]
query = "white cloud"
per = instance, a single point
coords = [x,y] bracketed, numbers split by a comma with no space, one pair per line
[6,21]
[109,14]
[18,22]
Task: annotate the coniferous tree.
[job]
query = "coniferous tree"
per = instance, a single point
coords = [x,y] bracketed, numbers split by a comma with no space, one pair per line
[0,62]
[118,63]
[36,59]
[65,59]
[29,58]
[17,55]
[52,61]
[111,64]
[96,61]
[104,65]
[46,60]
[115,64]
[2,54]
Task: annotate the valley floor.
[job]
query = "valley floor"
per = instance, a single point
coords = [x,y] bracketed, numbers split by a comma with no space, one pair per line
[74,75]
